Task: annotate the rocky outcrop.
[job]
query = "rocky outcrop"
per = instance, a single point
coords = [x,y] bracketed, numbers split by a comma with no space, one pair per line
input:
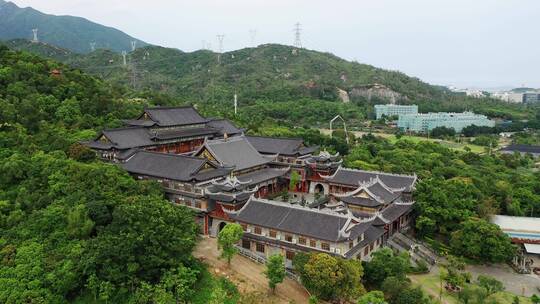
[376,90]
[343,95]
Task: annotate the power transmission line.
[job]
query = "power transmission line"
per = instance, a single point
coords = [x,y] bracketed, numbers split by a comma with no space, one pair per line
[35,33]
[297,32]
[220,40]
[252,34]
[133,45]
[92,46]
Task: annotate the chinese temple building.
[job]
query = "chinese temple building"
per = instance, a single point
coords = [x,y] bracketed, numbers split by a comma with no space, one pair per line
[210,166]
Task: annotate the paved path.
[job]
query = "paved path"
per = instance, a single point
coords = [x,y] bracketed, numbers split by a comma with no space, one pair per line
[247,275]
[519,284]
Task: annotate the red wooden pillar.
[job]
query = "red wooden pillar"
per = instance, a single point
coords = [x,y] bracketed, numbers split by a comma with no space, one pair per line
[206,224]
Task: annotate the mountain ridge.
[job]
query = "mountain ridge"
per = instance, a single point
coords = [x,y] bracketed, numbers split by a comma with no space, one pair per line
[70,32]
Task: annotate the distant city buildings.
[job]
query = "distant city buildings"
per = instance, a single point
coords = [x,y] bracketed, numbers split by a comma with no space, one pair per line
[394,110]
[527,97]
[530,98]
[429,121]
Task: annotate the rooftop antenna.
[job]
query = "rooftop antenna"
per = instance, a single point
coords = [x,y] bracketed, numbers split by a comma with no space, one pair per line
[92,46]
[133,45]
[35,32]
[124,53]
[252,34]
[297,32]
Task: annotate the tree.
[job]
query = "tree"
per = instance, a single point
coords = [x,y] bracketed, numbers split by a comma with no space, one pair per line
[180,282]
[384,263]
[490,284]
[227,238]
[483,241]
[466,295]
[535,299]
[294,180]
[372,297]
[329,277]
[275,271]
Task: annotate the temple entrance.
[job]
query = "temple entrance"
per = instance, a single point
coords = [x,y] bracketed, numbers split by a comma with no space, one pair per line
[319,189]
[221,226]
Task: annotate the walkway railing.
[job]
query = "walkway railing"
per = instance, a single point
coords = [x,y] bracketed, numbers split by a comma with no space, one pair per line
[262,260]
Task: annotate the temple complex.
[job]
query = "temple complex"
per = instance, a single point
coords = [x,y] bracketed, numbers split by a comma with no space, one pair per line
[287,196]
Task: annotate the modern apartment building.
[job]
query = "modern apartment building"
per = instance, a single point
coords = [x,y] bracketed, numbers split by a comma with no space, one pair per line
[394,110]
[429,121]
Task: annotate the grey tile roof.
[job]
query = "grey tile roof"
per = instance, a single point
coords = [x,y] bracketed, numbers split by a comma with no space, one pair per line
[224,126]
[360,201]
[394,211]
[295,219]
[170,166]
[262,175]
[282,146]
[126,138]
[140,123]
[236,152]
[370,235]
[378,195]
[351,177]
[175,116]
[187,132]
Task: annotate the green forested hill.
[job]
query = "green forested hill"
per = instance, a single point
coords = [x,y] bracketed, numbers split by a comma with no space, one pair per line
[73,229]
[73,33]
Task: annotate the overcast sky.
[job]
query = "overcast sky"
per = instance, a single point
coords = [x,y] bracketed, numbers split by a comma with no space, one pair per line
[483,43]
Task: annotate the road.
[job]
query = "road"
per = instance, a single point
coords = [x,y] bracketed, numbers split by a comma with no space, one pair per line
[248,276]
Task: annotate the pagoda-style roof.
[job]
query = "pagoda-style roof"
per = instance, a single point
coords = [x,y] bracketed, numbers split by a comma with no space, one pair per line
[234,152]
[173,116]
[173,167]
[352,178]
[281,146]
[372,194]
[319,224]
[324,160]
[230,190]
[262,175]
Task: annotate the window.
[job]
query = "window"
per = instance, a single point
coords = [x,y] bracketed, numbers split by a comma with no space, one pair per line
[188,203]
[312,243]
[325,246]
[351,244]
[273,233]
[198,204]
[244,227]
[178,200]
[246,244]
[259,247]
[288,238]
[289,255]
[302,240]
[257,230]
[366,250]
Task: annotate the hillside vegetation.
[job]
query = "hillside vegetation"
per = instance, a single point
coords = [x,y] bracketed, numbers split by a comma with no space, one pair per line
[73,33]
[294,86]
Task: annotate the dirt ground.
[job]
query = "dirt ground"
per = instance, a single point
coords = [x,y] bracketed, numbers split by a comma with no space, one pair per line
[248,276]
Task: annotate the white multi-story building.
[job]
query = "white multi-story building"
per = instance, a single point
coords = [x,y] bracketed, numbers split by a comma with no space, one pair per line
[394,110]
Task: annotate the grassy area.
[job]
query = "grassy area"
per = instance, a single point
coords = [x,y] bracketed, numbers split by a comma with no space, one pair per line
[446,143]
[430,283]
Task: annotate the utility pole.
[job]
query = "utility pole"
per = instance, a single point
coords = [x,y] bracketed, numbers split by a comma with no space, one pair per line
[35,38]
[252,34]
[92,46]
[133,45]
[297,32]
[124,53]
[235,103]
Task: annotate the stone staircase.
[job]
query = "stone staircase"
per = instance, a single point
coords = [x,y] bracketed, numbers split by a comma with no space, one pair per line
[418,252]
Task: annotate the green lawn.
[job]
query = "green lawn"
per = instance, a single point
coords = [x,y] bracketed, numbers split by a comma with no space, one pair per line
[430,283]
[446,143]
